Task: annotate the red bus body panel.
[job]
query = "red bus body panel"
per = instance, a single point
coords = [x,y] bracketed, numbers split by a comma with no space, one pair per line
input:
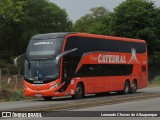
[97,84]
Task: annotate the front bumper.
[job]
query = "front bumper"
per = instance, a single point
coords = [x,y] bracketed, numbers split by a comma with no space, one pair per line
[45,93]
[49,89]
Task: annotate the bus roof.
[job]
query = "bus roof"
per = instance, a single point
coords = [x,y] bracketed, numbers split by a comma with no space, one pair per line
[111,37]
[67,34]
[51,35]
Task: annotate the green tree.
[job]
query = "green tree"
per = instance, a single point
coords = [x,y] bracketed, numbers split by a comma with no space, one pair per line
[95,22]
[135,19]
[139,19]
[21,19]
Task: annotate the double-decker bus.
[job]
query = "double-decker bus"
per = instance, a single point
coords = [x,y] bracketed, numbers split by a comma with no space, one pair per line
[75,64]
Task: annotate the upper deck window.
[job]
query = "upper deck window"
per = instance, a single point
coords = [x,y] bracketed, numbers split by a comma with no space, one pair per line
[44,47]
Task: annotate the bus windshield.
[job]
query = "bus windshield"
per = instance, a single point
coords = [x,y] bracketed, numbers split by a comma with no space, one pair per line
[41,69]
[45,48]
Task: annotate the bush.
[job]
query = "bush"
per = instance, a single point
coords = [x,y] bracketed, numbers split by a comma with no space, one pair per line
[17,95]
[8,93]
[5,94]
[155,81]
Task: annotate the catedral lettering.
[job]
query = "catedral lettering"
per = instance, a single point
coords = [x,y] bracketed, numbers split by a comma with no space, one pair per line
[65,64]
[111,58]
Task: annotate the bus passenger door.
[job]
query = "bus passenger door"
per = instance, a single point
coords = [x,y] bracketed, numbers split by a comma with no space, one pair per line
[67,74]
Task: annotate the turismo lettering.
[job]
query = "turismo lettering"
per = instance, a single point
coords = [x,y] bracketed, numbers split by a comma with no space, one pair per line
[111,58]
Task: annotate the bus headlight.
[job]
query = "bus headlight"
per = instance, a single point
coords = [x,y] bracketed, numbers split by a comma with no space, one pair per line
[54,86]
[27,87]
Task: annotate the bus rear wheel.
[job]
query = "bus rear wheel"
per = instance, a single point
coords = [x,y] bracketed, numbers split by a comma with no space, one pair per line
[47,98]
[133,87]
[79,91]
[126,89]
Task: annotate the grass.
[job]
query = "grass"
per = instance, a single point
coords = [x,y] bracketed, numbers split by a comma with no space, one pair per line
[11,91]
[8,93]
[155,82]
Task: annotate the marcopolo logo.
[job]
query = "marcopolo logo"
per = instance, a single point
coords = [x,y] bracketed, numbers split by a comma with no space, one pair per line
[43,43]
[133,57]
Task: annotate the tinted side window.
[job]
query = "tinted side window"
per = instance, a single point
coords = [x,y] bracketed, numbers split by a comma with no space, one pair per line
[92,70]
[85,44]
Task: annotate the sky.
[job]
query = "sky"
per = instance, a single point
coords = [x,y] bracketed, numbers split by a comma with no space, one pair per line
[78,8]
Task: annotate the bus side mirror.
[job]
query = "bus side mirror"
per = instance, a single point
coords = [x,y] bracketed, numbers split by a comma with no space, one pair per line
[16,59]
[63,54]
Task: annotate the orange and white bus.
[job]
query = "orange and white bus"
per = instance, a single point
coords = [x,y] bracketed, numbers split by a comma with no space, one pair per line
[75,64]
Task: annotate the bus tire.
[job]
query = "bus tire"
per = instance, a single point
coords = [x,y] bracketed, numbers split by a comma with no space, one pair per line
[47,98]
[133,87]
[79,91]
[126,88]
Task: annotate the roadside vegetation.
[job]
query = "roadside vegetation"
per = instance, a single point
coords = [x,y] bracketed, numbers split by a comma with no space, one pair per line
[155,82]
[11,90]
[8,94]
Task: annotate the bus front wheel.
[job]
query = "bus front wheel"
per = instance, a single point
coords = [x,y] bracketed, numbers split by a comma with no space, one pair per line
[79,91]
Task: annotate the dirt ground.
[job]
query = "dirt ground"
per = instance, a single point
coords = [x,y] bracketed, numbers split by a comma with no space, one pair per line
[12,81]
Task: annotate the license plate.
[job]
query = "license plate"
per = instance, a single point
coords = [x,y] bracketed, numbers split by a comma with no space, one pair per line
[38,95]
